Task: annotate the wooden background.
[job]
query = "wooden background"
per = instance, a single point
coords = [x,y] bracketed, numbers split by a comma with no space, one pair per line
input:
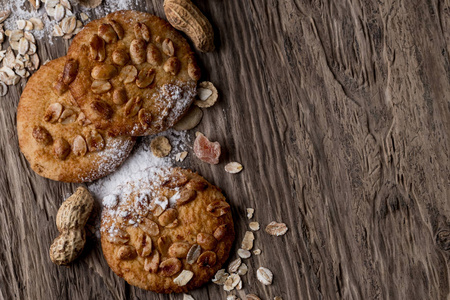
[340,113]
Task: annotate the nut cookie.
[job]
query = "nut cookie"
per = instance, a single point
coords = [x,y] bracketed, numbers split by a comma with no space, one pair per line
[168,232]
[131,73]
[58,141]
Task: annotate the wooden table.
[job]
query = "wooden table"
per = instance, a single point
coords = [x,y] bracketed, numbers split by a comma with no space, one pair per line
[340,113]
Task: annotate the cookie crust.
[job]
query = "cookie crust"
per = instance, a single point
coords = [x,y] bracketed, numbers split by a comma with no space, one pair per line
[47,141]
[196,214]
[148,73]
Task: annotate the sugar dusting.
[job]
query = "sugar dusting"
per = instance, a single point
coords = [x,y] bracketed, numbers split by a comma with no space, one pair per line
[21,10]
[138,164]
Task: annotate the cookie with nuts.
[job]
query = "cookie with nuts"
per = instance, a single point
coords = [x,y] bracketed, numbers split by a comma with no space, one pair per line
[169,231]
[131,73]
[57,139]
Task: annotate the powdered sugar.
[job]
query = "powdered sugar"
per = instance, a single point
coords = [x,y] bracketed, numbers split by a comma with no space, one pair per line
[138,163]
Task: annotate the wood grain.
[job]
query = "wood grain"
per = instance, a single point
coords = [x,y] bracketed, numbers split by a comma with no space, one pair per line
[340,113]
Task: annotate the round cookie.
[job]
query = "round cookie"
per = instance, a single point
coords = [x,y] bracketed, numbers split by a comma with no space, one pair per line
[131,73]
[55,136]
[168,232]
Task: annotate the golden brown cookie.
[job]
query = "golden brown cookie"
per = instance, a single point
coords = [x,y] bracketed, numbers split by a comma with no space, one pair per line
[170,231]
[131,73]
[55,136]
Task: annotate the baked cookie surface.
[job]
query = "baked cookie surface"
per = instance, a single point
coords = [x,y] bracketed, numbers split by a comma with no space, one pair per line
[55,136]
[131,73]
[170,231]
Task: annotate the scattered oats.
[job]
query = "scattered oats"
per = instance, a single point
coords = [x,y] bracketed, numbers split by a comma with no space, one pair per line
[277,298]
[21,24]
[187,297]
[90,3]
[28,25]
[277,229]
[30,37]
[233,167]
[57,31]
[79,24]
[243,269]
[66,4]
[160,146]
[181,156]
[207,94]
[264,275]
[4,89]
[60,12]
[250,212]
[35,3]
[231,282]
[190,120]
[234,265]
[252,297]
[244,253]
[239,286]
[193,255]
[247,242]
[24,45]
[220,277]
[84,17]
[184,277]
[4,15]
[254,226]
[37,23]
[257,251]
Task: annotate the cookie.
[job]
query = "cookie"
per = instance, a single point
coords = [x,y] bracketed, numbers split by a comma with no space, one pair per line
[55,136]
[131,73]
[170,231]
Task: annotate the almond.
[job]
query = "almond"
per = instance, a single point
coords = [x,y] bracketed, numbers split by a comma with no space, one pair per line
[179,250]
[117,28]
[107,33]
[149,227]
[126,252]
[70,71]
[186,196]
[95,141]
[145,77]
[132,107]
[218,208]
[207,259]
[100,86]
[168,217]
[53,112]
[120,57]
[151,264]
[103,72]
[153,55]
[172,66]
[120,96]
[138,51]
[128,74]
[79,146]
[102,109]
[170,267]
[42,136]
[61,148]
[145,118]
[97,48]
[141,31]
[221,232]
[206,241]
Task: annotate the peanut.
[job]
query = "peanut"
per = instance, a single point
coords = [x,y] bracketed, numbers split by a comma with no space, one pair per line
[70,221]
[186,17]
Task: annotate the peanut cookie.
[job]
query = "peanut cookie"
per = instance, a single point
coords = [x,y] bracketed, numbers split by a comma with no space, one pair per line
[167,232]
[131,73]
[57,139]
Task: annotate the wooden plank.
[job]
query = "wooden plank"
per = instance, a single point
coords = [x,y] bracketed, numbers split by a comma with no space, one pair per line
[339,112]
